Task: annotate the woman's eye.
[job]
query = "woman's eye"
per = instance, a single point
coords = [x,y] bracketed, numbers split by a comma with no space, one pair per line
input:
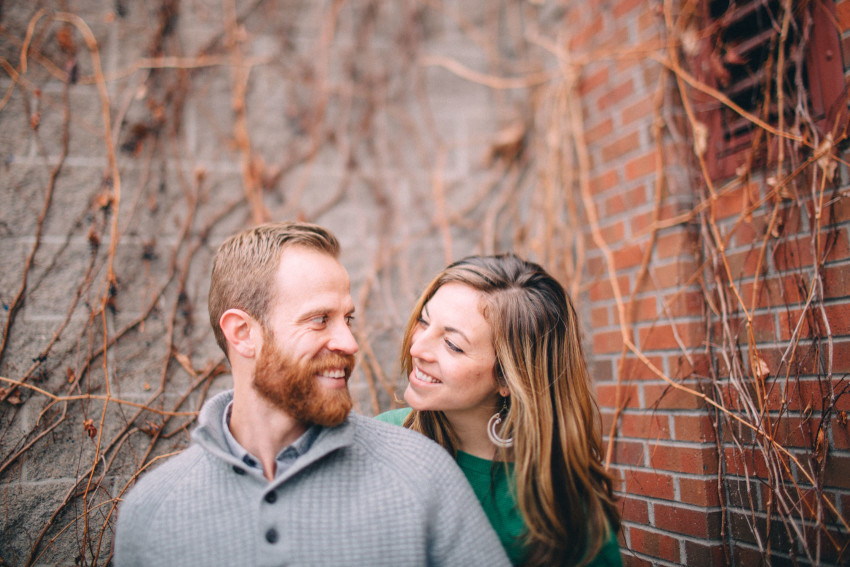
[422,321]
[453,347]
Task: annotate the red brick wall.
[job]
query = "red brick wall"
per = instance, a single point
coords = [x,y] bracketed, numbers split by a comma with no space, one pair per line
[688,270]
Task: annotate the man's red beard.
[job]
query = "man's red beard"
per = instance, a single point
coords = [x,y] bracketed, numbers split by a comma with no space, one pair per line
[294,388]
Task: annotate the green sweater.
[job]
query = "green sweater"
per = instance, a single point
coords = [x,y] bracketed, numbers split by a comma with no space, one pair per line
[492,486]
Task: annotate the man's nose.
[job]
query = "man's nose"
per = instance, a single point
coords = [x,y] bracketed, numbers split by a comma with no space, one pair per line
[343,340]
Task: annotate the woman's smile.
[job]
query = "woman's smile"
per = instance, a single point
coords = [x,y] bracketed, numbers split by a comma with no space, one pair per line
[423,377]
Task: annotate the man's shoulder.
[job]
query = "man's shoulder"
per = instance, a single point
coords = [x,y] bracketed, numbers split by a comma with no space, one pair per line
[424,476]
[156,485]
[384,429]
[392,443]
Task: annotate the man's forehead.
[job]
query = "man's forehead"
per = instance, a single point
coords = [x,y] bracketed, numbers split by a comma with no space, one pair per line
[312,281]
[321,303]
[300,264]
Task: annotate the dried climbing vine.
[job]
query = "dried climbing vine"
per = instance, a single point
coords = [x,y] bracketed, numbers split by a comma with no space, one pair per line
[118,365]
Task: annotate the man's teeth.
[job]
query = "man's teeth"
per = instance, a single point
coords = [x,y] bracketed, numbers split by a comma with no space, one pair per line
[424,377]
[333,374]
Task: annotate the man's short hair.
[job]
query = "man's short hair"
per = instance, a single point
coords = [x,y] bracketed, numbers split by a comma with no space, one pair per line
[245,265]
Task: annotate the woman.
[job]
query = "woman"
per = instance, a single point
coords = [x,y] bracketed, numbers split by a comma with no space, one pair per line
[497,376]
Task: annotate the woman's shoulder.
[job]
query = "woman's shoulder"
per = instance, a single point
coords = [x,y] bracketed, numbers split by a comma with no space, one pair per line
[395,417]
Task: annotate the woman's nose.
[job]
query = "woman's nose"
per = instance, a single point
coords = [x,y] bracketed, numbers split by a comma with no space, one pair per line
[419,346]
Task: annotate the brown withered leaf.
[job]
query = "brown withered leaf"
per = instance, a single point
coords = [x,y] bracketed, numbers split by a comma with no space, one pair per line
[733,57]
[89,427]
[185,363]
[761,369]
[14,396]
[691,44]
[508,142]
[827,161]
[104,199]
[65,39]
[150,427]
[821,447]
[700,138]
[721,73]
[94,239]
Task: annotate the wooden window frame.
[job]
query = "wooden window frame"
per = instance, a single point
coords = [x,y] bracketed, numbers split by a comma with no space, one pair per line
[726,153]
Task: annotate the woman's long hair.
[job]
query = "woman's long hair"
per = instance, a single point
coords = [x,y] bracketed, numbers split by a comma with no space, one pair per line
[563,491]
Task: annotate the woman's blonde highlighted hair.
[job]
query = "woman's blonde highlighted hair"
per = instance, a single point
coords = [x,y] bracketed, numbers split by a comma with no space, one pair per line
[563,491]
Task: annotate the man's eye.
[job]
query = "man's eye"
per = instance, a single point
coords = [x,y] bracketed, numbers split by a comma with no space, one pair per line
[320,320]
[349,319]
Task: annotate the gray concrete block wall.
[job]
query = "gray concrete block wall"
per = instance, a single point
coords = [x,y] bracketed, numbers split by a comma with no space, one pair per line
[354,134]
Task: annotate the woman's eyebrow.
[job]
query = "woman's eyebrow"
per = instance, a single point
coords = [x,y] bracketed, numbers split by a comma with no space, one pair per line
[447,329]
[458,331]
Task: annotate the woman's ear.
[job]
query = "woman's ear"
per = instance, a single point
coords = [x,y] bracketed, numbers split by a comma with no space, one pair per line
[238,328]
[504,391]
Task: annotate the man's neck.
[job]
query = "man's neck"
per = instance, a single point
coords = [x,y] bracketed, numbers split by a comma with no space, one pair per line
[261,428]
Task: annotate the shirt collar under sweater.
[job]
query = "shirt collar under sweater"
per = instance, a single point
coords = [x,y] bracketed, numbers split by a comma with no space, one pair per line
[317,442]
[284,458]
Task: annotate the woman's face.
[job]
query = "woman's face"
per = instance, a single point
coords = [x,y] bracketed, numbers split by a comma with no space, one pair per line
[453,356]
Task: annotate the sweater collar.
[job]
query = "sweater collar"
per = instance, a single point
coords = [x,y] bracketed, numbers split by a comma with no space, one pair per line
[211,437]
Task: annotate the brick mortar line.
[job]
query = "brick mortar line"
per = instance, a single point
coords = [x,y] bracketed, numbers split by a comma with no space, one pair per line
[678,504]
[671,443]
[666,413]
[641,468]
[662,531]
[652,559]
[763,516]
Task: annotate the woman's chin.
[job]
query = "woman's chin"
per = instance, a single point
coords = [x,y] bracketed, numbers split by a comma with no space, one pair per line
[414,400]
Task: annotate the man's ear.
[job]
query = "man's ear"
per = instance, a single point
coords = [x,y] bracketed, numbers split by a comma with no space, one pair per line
[239,329]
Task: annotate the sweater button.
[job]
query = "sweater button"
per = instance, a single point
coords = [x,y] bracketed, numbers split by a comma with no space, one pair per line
[271,497]
[271,535]
[238,470]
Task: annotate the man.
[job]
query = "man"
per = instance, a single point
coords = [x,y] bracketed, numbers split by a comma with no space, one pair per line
[279,472]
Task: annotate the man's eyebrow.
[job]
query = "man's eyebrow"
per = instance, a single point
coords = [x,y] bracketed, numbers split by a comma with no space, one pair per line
[316,312]
[320,311]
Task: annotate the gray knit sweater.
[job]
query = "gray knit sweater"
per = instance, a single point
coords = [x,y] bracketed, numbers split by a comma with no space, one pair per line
[365,493]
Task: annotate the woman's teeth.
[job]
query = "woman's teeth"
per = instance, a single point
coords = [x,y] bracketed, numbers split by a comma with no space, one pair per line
[424,377]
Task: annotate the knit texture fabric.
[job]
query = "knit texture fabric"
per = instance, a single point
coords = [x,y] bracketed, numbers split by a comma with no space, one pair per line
[492,486]
[366,493]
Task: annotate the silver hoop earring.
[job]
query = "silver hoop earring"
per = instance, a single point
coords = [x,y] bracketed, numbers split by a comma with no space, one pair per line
[494,422]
